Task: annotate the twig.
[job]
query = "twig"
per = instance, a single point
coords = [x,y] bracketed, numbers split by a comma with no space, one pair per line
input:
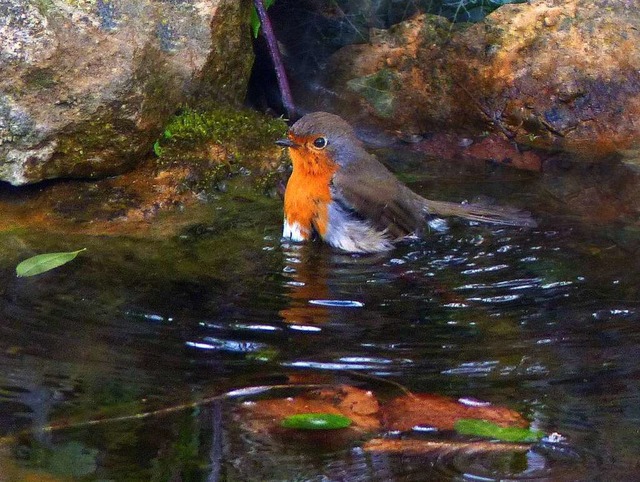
[65,425]
[272,43]
[381,380]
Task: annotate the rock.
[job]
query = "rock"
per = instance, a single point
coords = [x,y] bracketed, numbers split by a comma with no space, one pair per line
[599,193]
[206,153]
[552,74]
[492,148]
[496,149]
[88,85]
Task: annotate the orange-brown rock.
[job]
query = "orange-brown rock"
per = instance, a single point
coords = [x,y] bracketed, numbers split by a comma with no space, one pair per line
[497,149]
[262,418]
[553,74]
[361,406]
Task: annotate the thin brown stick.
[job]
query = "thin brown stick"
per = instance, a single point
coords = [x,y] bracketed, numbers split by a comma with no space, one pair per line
[278,65]
[161,411]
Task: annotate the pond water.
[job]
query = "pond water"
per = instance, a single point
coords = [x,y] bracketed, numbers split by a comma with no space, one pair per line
[116,366]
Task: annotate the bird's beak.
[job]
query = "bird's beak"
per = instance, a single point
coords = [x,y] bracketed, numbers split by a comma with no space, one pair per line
[287,143]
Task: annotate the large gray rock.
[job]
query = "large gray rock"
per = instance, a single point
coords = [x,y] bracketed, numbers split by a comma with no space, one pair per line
[87,85]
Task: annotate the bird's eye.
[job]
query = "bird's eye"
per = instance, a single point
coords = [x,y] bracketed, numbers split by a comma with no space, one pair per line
[320,143]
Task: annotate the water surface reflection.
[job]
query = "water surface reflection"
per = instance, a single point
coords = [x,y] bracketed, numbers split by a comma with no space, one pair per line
[543,321]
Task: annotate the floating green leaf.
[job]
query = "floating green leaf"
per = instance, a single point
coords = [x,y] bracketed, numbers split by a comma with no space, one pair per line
[44,262]
[316,421]
[483,428]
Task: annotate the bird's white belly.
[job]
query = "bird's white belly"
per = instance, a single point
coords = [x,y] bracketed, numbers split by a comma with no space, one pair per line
[349,233]
[293,232]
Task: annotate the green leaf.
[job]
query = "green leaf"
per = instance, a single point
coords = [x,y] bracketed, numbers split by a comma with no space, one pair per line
[255,20]
[157,148]
[44,262]
[316,421]
[483,428]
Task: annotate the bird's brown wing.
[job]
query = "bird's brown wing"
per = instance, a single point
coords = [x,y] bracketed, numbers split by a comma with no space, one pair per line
[372,192]
[503,215]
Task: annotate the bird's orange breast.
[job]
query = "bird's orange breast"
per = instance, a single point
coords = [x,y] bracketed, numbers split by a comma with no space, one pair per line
[308,194]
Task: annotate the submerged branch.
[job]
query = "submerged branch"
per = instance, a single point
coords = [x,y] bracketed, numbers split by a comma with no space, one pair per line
[244,392]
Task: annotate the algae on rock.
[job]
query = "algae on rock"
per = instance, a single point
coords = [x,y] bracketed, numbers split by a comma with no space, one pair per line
[216,145]
[87,86]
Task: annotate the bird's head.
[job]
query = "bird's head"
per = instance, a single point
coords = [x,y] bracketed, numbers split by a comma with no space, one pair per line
[319,139]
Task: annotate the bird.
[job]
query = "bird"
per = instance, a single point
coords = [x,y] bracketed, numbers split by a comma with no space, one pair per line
[342,194]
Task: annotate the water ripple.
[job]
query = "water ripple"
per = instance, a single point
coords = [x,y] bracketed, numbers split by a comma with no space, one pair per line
[298,327]
[330,365]
[485,269]
[473,368]
[514,284]
[541,462]
[337,303]
[216,344]
[496,299]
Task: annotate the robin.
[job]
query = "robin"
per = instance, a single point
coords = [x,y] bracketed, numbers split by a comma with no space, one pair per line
[343,194]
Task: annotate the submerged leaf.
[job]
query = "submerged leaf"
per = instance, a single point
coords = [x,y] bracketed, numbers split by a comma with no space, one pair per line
[431,410]
[316,421]
[44,262]
[484,428]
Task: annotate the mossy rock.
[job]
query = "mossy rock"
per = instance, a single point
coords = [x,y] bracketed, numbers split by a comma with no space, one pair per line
[88,85]
[216,145]
[379,90]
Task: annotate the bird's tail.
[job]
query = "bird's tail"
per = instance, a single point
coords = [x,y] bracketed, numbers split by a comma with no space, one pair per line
[480,212]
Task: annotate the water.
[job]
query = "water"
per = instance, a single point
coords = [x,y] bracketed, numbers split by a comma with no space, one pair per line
[131,362]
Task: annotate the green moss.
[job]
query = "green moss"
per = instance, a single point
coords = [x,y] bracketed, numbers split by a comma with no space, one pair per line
[42,78]
[241,128]
[378,89]
[218,144]
[95,136]
[436,29]
[225,75]
[43,6]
